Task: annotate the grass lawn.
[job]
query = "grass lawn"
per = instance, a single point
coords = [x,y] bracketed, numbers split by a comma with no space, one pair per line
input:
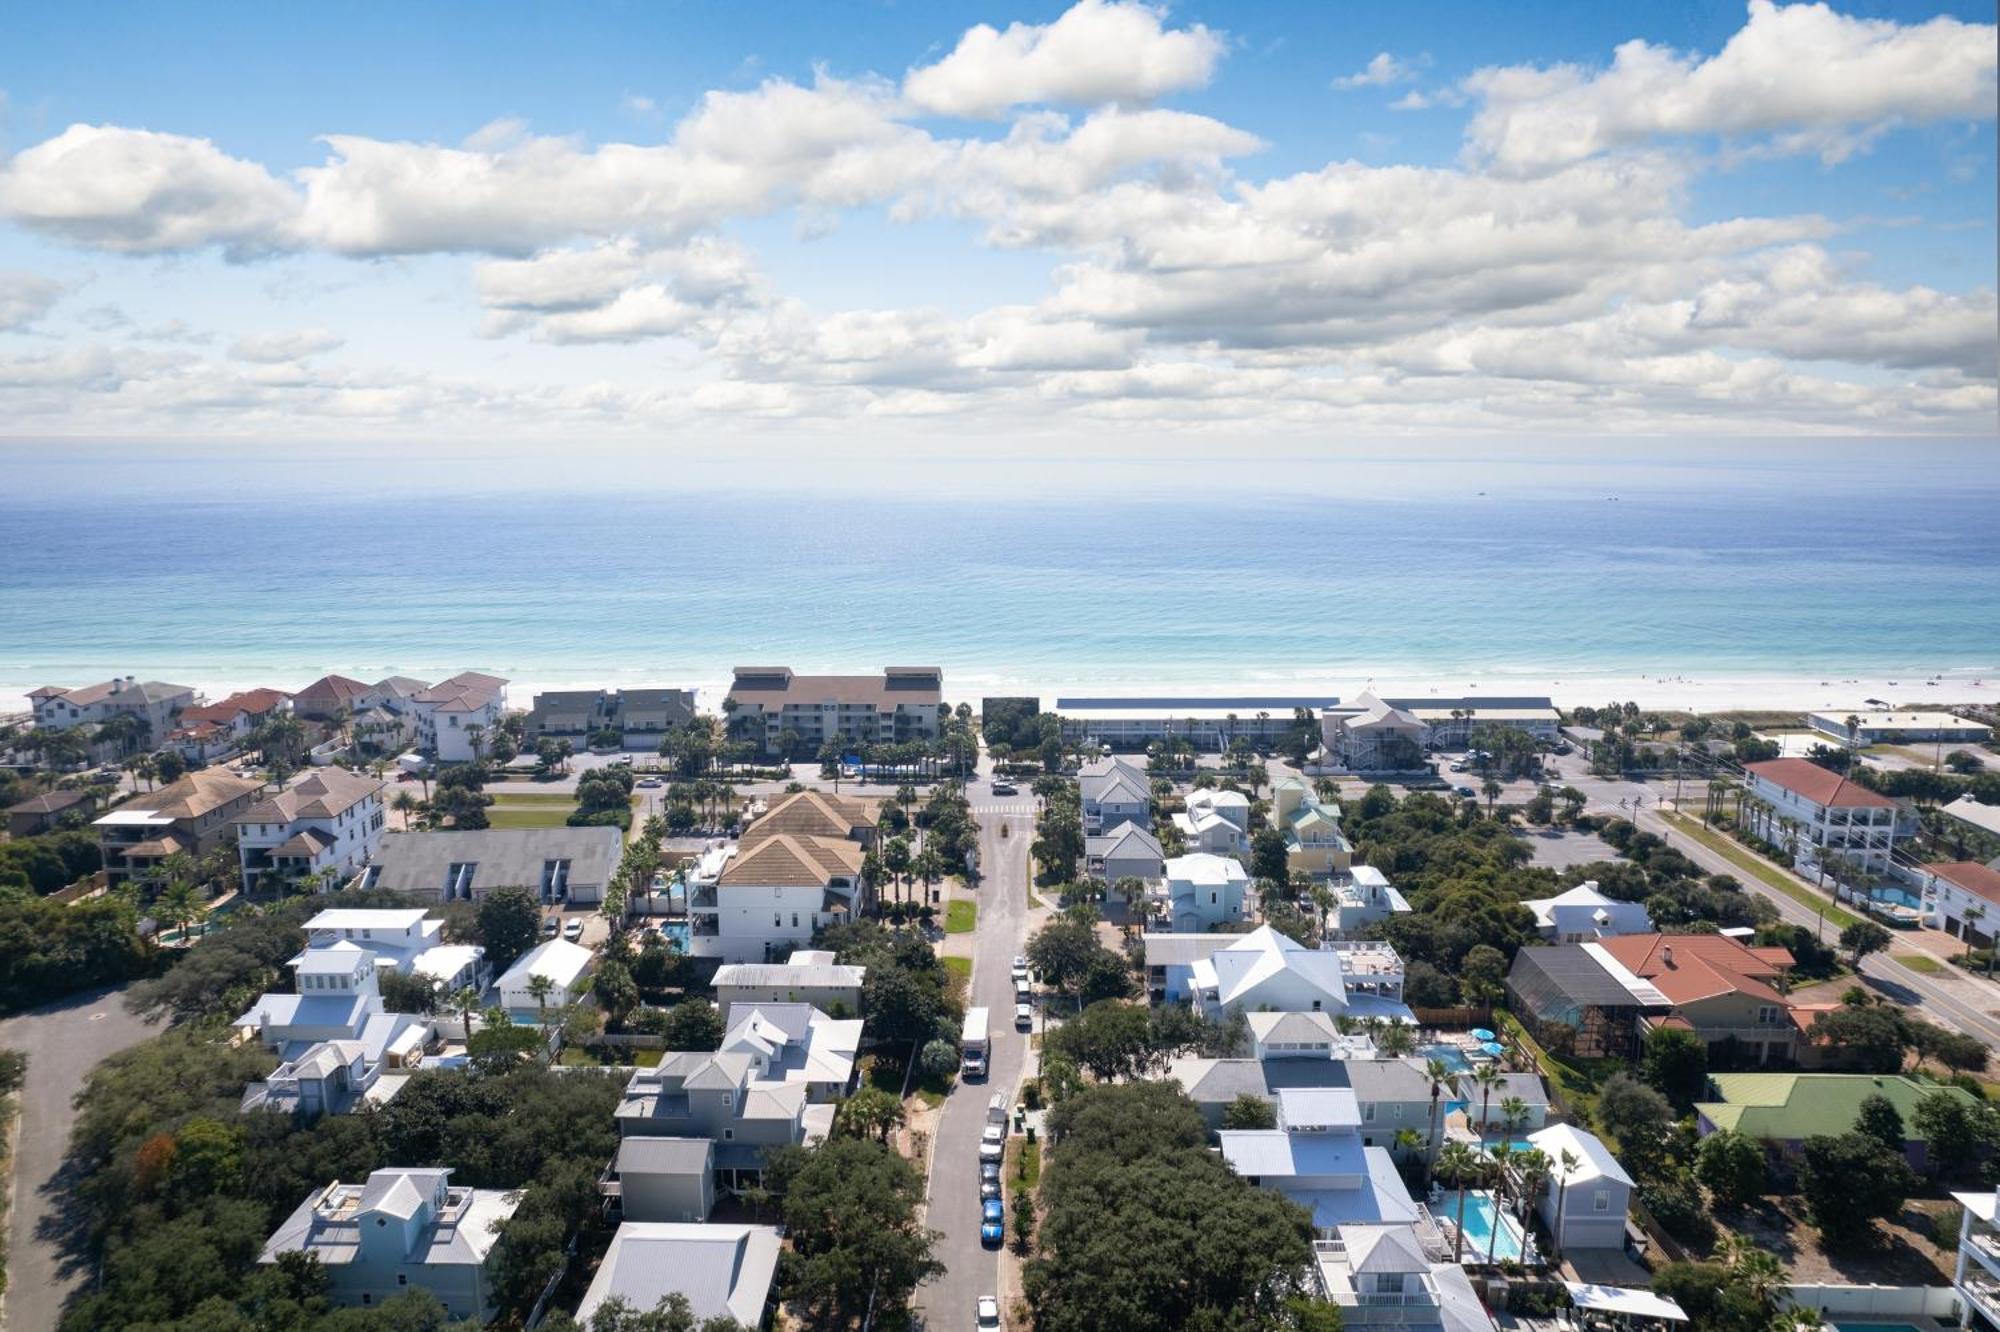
[568,802]
[1771,876]
[508,814]
[1921,963]
[961,973]
[1027,1171]
[1576,1081]
[960,917]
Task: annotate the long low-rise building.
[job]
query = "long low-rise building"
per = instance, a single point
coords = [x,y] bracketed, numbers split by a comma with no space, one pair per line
[570,865]
[1207,722]
[639,716]
[1900,728]
[772,705]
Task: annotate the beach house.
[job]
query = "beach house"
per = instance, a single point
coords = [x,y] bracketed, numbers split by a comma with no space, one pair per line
[403,1229]
[1112,791]
[186,817]
[1784,1109]
[796,869]
[330,822]
[153,704]
[1962,898]
[722,1271]
[563,966]
[1313,841]
[455,718]
[1816,814]
[795,1043]
[1365,896]
[1583,913]
[808,976]
[1215,821]
[206,731]
[1205,891]
[1125,851]
[1588,1193]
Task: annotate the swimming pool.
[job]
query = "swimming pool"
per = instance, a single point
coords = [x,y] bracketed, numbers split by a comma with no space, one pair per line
[1516,1145]
[1450,1056]
[1480,1216]
[1901,897]
[677,931]
[1875,1327]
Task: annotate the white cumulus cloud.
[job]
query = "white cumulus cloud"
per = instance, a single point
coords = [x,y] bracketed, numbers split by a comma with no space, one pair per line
[1098,51]
[291,345]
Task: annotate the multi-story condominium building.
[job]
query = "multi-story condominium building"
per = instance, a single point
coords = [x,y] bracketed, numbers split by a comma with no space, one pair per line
[766,702]
[1313,841]
[1449,723]
[640,716]
[1962,897]
[570,865]
[1818,815]
[455,717]
[331,820]
[1208,723]
[403,1229]
[187,817]
[1113,791]
[152,703]
[796,868]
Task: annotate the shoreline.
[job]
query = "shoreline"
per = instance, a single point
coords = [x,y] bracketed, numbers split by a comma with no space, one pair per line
[1725,690]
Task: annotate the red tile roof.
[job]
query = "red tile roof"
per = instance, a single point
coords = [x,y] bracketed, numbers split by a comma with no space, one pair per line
[1688,967]
[1807,779]
[1970,875]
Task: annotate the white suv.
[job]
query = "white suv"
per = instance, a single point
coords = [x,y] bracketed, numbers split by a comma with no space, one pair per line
[989,1312]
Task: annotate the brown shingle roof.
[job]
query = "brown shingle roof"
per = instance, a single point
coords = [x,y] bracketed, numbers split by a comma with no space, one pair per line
[776,685]
[785,861]
[50,802]
[329,691]
[321,796]
[813,814]
[255,702]
[1802,777]
[196,794]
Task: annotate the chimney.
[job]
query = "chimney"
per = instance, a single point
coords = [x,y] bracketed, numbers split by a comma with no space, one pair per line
[1667,955]
[117,685]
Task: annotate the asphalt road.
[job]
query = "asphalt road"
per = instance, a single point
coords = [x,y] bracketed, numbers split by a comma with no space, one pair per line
[63,1042]
[971,1269]
[1939,1001]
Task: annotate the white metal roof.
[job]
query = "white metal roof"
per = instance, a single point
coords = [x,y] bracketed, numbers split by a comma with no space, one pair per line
[1624,1300]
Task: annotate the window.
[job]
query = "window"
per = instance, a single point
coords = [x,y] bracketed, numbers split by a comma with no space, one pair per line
[366,1298]
[795,920]
[402,1279]
[1368,1113]
[729,1135]
[1601,1201]
[1767,1014]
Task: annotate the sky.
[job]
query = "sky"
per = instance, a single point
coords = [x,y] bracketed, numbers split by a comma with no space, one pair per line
[983,226]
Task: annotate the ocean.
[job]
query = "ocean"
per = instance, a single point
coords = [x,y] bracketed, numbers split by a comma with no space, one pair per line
[1099,572]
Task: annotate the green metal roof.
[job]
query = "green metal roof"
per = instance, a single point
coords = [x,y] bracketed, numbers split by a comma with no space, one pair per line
[1786,1107]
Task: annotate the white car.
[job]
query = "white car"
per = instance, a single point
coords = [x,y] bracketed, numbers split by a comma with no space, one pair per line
[989,1311]
[993,1143]
[1020,969]
[573,930]
[1024,1015]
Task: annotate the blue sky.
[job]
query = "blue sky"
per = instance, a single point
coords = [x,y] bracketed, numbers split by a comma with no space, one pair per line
[1712,232]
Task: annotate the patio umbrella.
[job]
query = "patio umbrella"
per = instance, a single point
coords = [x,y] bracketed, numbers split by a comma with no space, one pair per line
[1481,1034]
[1494,1048]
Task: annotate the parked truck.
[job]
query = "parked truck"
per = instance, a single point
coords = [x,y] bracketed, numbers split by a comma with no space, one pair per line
[973,1044]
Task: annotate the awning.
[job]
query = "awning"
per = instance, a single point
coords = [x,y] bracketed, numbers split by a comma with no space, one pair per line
[1623,1300]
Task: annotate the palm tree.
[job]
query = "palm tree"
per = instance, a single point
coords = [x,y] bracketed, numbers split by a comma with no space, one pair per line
[1568,1161]
[406,805]
[1409,1142]
[1501,1152]
[1457,1164]
[1514,1114]
[1441,1076]
[1395,1040]
[182,903]
[541,987]
[1491,788]
[465,1000]
[1487,1076]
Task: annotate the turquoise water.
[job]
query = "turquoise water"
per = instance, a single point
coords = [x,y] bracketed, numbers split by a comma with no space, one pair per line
[678,931]
[1899,897]
[1875,1327]
[1480,1216]
[1450,1056]
[274,565]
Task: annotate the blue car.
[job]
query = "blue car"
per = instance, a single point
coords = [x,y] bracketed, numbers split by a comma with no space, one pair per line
[991,1228]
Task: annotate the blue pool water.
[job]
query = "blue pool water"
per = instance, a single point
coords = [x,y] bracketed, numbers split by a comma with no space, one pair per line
[1451,1056]
[1903,898]
[678,931]
[1480,1216]
[1515,1144]
[1875,1327]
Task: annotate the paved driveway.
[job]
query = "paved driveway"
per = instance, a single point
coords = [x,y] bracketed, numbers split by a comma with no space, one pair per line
[63,1042]
[972,1270]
